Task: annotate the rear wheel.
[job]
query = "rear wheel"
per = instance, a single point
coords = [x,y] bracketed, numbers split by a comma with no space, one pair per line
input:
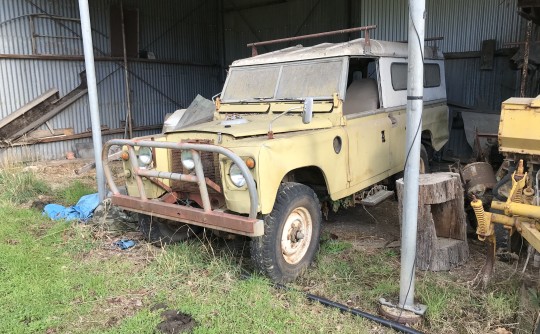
[160,231]
[291,234]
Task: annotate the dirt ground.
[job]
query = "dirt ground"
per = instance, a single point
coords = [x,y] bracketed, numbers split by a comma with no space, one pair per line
[365,228]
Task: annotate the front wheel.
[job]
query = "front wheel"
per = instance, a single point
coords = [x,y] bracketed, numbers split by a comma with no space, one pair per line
[291,234]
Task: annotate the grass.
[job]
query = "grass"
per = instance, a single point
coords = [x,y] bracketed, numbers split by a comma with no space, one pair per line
[50,285]
[71,194]
[59,277]
[20,186]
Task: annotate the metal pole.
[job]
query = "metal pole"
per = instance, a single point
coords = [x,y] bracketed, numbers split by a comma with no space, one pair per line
[92,93]
[129,121]
[415,91]
[525,69]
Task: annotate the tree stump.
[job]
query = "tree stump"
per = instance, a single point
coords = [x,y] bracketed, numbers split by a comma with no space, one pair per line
[441,242]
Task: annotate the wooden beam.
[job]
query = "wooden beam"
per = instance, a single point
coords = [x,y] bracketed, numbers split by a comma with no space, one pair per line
[52,93]
[81,135]
[58,106]
[113,59]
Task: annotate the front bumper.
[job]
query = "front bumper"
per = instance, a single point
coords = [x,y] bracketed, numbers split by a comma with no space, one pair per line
[205,217]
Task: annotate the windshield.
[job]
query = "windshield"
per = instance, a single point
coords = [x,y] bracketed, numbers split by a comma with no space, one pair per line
[288,81]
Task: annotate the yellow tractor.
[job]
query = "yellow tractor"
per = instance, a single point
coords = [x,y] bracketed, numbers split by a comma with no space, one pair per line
[519,142]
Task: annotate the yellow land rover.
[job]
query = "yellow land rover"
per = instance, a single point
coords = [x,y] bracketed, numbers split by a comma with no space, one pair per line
[290,127]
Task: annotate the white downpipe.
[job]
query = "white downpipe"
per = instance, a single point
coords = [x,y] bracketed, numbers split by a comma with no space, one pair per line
[415,91]
[92,94]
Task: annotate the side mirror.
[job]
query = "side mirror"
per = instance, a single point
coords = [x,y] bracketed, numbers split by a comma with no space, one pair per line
[307,115]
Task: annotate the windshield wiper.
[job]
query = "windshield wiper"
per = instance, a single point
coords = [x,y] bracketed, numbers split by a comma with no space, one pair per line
[262,98]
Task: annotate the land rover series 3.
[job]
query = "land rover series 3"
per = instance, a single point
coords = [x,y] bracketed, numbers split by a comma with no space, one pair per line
[290,127]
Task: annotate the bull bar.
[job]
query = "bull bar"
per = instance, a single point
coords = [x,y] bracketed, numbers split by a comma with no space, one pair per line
[205,217]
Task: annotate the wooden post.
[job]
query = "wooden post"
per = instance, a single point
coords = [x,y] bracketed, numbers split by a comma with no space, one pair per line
[442,226]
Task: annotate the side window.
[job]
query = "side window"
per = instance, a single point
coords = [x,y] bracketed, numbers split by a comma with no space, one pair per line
[399,75]
[432,76]
[362,86]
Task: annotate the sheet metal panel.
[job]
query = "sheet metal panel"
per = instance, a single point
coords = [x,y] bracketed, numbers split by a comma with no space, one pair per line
[185,31]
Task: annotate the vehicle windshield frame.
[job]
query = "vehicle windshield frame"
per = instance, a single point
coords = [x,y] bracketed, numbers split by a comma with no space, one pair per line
[342,80]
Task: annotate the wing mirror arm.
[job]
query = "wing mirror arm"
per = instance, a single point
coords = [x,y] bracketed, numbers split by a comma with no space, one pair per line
[307,115]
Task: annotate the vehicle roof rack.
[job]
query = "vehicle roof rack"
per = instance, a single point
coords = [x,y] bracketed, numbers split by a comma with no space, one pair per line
[366,29]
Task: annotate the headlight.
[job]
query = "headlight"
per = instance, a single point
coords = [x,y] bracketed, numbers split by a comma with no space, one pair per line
[145,156]
[187,160]
[236,176]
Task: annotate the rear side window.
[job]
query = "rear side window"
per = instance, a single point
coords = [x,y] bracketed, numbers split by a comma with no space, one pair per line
[432,76]
[399,75]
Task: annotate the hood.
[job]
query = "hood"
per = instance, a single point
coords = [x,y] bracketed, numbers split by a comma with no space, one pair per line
[257,126]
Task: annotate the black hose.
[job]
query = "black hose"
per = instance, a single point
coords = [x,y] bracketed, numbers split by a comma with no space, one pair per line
[343,308]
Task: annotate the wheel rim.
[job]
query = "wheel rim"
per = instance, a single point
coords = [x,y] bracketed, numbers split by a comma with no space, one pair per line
[296,235]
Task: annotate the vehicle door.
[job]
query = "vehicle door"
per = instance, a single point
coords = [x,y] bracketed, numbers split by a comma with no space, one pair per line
[393,73]
[367,127]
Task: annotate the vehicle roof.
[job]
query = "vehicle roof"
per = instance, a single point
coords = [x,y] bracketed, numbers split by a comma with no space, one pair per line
[355,47]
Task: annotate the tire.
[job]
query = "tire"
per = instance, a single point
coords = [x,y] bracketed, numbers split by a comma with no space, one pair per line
[160,231]
[287,248]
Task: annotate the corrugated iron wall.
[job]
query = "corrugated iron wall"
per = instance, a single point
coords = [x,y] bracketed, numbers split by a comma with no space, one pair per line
[188,34]
[184,33]
[464,24]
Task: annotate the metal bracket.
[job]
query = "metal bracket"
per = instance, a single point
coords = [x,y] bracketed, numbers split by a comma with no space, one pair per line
[419,309]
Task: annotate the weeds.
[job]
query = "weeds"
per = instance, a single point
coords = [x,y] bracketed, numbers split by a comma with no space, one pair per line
[20,186]
[73,192]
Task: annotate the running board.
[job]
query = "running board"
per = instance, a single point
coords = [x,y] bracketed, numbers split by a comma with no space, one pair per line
[377,198]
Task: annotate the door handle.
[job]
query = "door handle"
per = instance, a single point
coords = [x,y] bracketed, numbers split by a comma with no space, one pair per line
[383,137]
[393,120]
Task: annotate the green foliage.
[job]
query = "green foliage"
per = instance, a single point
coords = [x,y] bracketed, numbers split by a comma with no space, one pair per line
[71,194]
[334,246]
[20,186]
[57,278]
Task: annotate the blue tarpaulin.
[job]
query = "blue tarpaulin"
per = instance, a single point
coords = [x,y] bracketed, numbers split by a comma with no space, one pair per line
[82,210]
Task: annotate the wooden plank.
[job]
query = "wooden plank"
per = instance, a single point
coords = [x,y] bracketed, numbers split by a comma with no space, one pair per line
[38,134]
[60,105]
[106,59]
[29,106]
[81,135]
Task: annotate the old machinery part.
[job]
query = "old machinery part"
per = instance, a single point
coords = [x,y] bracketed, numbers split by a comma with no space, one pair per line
[538,188]
[498,187]
[484,228]
[478,177]
[528,195]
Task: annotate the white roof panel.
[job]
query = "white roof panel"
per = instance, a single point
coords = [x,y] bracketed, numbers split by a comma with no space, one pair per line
[355,47]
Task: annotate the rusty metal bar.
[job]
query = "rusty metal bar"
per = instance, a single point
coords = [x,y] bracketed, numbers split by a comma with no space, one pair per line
[487,135]
[321,34]
[253,196]
[167,175]
[137,171]
[214,219]
[525,68]
[129,116]
[32,34]
[201,181]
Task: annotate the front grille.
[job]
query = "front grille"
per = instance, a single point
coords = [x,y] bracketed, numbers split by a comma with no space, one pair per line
[210,163]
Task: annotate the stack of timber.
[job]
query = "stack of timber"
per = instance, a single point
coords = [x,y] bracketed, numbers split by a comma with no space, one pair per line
[19,128]
[441,242]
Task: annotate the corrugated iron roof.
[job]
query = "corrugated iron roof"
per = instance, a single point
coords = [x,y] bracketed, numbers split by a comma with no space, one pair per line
[355,47]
